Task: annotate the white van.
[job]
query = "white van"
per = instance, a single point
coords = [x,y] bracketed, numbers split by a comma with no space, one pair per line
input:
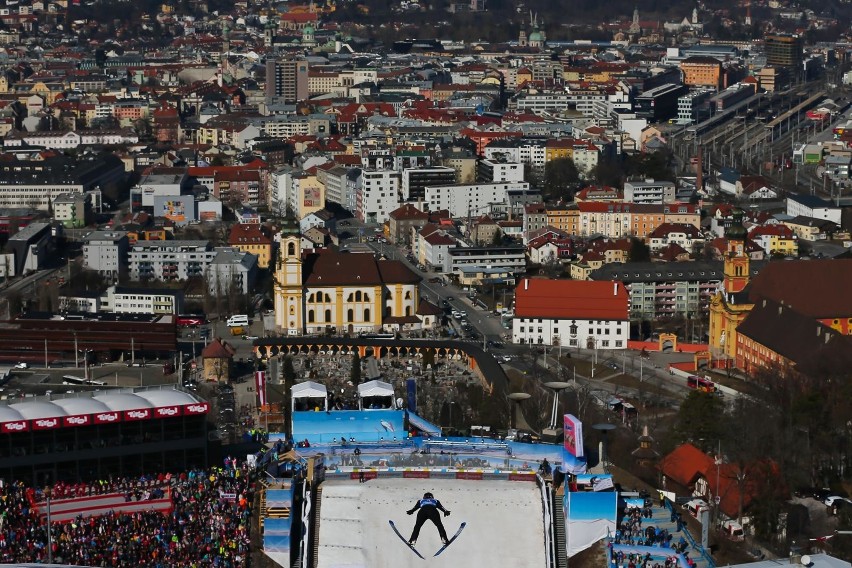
[696,507]
[238,320]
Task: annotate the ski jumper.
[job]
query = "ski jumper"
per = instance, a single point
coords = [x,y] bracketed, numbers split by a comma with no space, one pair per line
[427,509]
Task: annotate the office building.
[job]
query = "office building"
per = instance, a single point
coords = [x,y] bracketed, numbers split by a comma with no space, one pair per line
[287,80]
[783,50]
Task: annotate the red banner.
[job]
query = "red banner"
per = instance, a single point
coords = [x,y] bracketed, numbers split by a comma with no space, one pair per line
[469,475]
[81,420]
[167,412]
[140,414]
[416,474]
[521,477]
[46,423]
[18,426]
[260,384]
[107,417]
[365,474]
[197,408]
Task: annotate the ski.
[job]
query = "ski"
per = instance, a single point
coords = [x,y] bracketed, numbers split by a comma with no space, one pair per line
[402,538]
[449,542]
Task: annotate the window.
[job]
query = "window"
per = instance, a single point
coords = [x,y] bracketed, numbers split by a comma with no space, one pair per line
[328,315]
[358,296]
[367,314]
[350,315]
[310,316]
[291,249]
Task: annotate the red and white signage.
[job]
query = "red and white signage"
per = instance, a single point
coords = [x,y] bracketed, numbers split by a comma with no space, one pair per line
[81,420]
[107,417]
[167,411]
[17,426]
[112,417]
[197,408]
[46,423]
[141,414]
[260,384]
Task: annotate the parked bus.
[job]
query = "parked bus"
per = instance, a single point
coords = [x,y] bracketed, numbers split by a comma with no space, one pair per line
[190,320]
[700,383]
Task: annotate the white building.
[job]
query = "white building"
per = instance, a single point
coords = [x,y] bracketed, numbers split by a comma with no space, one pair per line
[154,185]
[813,207]
[471,199]
[106,251]
[169,260]
[510,259]
[124,300]
[377,195]
[231,267]
[649,191]
[490,171]
[572,313]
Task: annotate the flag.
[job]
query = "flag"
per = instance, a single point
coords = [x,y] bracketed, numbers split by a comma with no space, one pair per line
[260,384]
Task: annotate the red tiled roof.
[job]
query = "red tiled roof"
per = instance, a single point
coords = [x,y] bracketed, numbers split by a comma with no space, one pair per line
[247,233]
[571,299]
[218,349]
[815,288]
[685,464]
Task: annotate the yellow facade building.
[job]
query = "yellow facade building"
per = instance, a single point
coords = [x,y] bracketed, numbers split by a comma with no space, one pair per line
[730,305]
[342,293]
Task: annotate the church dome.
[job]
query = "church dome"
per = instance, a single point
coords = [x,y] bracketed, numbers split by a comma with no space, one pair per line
[736,231]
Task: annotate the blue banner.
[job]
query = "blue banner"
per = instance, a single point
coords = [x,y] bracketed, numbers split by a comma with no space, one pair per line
[411,389]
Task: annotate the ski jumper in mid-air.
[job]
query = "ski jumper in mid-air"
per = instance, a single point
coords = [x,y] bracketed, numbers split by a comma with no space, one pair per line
[427,509]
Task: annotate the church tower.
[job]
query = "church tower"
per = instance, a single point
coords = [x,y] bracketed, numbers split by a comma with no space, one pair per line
[730,306]
[635,26]
[288,281]
[736,270]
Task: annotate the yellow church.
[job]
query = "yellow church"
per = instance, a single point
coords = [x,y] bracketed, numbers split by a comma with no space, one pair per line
[340,293]
[730,305]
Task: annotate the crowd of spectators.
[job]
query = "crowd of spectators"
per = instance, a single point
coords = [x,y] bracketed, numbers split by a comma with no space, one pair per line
[207,525]
[631,532]
[619,559]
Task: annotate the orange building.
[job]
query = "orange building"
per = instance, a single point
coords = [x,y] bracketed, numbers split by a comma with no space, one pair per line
[702,72]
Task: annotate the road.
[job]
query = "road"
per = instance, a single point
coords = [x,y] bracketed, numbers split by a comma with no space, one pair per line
[486,324]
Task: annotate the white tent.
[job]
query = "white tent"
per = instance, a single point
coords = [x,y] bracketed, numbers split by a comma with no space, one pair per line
[306,392]
[375,388]
[309,389]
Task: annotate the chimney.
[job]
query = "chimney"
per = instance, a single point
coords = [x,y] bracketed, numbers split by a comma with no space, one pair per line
[615,288]
[526,284]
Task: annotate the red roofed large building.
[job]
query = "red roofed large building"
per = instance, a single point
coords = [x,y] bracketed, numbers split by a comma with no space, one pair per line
[572,313]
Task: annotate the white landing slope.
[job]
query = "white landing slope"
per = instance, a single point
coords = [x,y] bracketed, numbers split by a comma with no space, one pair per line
[504,524]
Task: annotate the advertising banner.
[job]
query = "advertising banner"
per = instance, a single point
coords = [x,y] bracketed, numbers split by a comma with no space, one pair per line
[573,432]
[589,517]
[411,392]
[260,385]
[107,417]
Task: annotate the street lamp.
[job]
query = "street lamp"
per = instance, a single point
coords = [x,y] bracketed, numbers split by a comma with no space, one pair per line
[556,387]
[517,398]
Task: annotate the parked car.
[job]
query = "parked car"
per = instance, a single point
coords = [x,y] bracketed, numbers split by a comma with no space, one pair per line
[833,500]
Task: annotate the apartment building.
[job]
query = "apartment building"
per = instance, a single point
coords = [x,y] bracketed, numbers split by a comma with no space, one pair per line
[106,251]
[377,195]
[471,199]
